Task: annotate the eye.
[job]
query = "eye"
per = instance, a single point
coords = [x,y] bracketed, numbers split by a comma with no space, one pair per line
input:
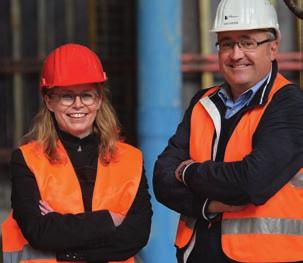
[87,95]
[67,96]
[248,43]
[226,44]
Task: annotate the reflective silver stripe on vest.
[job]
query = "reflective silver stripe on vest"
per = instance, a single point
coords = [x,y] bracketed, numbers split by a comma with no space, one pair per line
[190,223]
[189,248]
[297,180]
[28,253]
[214,113]
[262,226]
[11,257]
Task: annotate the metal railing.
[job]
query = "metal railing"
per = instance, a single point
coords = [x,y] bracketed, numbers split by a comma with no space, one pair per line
[192,63]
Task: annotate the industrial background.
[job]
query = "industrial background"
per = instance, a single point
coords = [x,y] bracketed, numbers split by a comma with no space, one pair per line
[156,53]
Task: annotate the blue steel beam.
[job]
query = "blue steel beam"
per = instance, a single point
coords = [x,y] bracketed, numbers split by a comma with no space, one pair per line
[159,106]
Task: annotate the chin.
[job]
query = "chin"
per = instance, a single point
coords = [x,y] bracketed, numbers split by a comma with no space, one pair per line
[79,134]
[238,82]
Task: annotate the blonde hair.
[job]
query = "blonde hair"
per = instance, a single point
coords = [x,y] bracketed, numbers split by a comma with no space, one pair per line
[106,126]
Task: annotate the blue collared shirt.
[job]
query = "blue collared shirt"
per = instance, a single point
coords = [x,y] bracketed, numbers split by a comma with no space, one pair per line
[232,107]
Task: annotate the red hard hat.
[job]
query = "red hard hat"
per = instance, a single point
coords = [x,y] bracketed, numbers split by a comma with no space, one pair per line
[71,64]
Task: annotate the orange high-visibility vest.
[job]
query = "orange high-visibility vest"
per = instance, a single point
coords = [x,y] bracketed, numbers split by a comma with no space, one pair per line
[115,189]
[272,232]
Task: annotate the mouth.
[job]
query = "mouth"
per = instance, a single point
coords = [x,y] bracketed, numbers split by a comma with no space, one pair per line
[239,66]
[77,115]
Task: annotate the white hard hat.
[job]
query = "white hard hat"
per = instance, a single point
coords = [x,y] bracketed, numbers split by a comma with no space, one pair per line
[233,15]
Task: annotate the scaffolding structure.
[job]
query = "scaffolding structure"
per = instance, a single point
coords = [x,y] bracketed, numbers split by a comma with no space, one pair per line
[39,26]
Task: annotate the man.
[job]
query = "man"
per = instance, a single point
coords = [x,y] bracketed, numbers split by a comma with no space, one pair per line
[233,167]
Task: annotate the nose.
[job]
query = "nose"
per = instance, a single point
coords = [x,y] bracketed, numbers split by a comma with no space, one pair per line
[236,52]
[78,103]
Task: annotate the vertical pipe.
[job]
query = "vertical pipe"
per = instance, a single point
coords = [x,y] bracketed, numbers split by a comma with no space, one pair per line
[17,78]
[51,25]
[204,7]
[42,33]
[159,105]
[92,24]
[69,20]
[41,6]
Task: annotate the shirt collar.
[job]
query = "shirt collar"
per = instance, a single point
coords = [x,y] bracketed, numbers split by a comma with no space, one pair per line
[224,92]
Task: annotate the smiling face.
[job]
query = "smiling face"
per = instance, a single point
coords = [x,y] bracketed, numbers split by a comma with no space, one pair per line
[243,69]
[74,114]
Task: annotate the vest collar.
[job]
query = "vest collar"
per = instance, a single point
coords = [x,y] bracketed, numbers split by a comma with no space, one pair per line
[261,96]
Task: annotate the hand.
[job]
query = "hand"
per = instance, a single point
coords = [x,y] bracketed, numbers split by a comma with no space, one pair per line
[45,208]
[180,169]
[219,207]
[117,218]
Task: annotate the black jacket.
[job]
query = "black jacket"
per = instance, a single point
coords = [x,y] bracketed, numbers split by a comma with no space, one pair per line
[276,157]
[89,236]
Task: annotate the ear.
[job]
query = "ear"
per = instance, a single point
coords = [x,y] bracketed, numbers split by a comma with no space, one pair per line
[274,47]
[48,102]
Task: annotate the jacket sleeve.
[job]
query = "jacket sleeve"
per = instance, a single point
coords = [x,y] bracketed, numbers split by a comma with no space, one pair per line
[130,237]
[53,231]
[167,189]
[276,157]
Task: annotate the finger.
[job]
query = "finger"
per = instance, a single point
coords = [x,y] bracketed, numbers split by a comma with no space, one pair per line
[42,204]
[236,208]
[42,208]
[180,168]
[46,206]
[43,211]
[178,173]
[117,218]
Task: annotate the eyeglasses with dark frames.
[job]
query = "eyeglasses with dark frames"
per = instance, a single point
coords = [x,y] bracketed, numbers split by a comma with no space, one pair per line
[87,98]
[245,44]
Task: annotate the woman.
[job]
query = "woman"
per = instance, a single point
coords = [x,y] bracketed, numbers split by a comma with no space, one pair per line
[78,193]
